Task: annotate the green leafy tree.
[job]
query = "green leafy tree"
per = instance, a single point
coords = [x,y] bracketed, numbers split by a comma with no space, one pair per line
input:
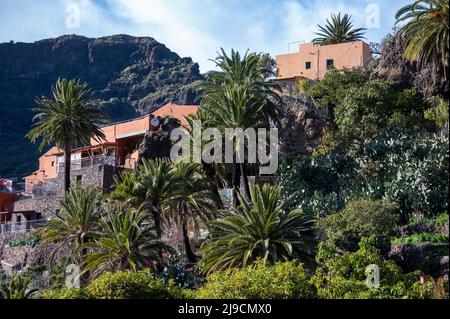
[361,218]
[426,32]
[17,288]
[343,275]
[338,30]
[263,227]
[67,120]
[125,243]
[76,222]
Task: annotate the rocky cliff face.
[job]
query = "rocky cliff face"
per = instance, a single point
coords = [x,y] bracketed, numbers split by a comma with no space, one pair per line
[128,76]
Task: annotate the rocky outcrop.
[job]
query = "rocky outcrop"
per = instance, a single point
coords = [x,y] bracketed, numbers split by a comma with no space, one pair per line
[394,66]
[432,259]
[128,76]
[302,125]
[157,144]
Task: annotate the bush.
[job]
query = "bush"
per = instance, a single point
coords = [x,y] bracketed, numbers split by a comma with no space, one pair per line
[30,241]
[408,169]
[65,293]
[342,275]
[421,238]
[284,280]
[133,285]
[361,218]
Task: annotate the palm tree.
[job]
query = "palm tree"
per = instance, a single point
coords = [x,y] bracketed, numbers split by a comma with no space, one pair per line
[263,228]
[76,222]
[239,96]
[126,243]
[191,201]
[425,33]
[338,30]
[17,288]
[66,120]
[147,188]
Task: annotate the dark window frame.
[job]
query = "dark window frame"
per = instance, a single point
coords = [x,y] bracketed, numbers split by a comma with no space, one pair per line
[330,64]
[308,65]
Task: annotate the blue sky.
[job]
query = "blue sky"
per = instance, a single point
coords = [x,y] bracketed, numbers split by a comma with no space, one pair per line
[196,28]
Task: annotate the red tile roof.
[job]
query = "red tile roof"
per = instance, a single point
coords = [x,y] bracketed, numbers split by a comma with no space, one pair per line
[176,111]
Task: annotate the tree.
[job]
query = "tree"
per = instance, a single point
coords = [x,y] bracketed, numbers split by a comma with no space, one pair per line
[426,32]
[76,222]
[264,227]
[125,243]
[338,30]
[191,201]
[67,120]
[17,288]
[147,188]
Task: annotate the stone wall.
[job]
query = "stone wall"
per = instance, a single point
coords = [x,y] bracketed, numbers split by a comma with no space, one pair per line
[100,176]
[43,205]
[19,258]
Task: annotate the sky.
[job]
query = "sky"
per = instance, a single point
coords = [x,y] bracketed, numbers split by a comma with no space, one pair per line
[195,28]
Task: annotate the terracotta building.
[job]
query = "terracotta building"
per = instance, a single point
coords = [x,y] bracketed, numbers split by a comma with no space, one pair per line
[313,62]
[118,150]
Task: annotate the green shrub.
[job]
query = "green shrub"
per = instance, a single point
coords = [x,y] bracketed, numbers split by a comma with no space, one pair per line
[134,285]
[342,275]
[360,218]
[441,219]
[410,169]
[438,113]
[29,241]
[65,293]
[284,280]
[421,238]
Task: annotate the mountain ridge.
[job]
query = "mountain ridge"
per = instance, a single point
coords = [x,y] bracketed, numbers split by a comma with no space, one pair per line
[128,76]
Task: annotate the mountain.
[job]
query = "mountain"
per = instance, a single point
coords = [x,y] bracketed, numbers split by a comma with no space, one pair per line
[128,76]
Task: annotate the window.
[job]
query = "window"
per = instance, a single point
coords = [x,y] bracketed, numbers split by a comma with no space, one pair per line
[18,219]
[79,179]
[330,64]
[53,163]
[308,65]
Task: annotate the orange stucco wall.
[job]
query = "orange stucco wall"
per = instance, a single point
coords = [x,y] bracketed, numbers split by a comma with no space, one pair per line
[344,55]
[113,134]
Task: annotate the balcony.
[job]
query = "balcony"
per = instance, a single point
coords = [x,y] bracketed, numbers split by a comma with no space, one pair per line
[88,162]
[21,227]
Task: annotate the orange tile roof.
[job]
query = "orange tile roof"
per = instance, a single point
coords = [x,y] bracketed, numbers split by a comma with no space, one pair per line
[176,111]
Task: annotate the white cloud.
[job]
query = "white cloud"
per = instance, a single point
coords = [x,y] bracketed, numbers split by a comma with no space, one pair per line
[196,28]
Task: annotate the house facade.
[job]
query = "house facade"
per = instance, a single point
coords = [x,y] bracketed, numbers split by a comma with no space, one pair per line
[97,161]
[313,62]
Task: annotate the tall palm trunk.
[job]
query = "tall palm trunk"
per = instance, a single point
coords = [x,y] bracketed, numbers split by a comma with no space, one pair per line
[156,212]
[211,174]
[245,180]
[67,164]
[190,255]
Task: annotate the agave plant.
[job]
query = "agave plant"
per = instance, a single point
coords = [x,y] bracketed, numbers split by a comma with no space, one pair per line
[126,243]
[338,30]
[264,227]
[426,32]
[17,288]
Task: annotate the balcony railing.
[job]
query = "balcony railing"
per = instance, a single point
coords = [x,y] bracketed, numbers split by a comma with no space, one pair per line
[89,162]
[11,228]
